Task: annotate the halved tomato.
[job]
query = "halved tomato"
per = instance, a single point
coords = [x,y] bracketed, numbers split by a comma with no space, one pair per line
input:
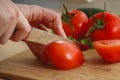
[109,50]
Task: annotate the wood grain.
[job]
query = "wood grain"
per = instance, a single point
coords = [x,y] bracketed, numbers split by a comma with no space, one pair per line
[25,66]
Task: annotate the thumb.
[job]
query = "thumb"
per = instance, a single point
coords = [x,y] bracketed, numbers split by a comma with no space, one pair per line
[21,30]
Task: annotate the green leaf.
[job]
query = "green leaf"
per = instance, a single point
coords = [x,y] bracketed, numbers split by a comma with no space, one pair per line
[88,42]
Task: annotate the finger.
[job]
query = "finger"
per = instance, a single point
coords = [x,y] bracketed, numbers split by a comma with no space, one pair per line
[9,31]
[53,20]
[42,27]
[55,24]
[22,29]
[3,27]
[38,15]
[58,30]
[39,26]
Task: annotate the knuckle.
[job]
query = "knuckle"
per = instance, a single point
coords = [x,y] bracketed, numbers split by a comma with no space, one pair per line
[13,15]
[3,19]
[57,16]
[34,12]
[33,7]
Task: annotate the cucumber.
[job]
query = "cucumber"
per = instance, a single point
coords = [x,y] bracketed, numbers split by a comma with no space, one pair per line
[90,11]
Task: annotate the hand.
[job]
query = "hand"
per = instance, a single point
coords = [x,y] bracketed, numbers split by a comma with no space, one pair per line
[16,20]
[37,15]
[10,19]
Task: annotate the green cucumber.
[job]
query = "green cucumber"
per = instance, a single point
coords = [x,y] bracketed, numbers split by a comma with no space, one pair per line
[90,11]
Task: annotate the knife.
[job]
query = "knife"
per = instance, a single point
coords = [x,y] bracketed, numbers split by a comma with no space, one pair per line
[45,38]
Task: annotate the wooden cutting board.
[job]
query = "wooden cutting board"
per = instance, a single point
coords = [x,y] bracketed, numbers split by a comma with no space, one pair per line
[24,66]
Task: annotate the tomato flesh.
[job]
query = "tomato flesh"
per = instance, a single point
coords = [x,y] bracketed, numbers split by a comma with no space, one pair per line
[109,50]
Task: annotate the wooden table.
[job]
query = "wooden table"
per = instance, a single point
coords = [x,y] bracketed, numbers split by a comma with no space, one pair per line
[3,79]
[24,66]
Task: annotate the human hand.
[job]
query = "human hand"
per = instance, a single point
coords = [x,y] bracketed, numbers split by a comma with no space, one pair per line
[16,20]
[12,22]
[37,15]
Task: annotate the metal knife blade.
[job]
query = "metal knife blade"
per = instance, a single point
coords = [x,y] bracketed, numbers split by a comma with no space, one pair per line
[43,37]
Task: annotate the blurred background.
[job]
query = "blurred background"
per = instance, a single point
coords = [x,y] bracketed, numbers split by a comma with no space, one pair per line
[112,5]
[12,48]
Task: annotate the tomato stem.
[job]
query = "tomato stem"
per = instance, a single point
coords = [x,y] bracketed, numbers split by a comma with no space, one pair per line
[67,18]
[65,9]
[99,24]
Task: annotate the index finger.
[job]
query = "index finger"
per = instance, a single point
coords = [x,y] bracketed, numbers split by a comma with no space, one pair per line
[52,20]
[57,26]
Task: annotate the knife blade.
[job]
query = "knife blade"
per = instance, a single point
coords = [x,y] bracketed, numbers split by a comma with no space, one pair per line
[38,39]
[43,37]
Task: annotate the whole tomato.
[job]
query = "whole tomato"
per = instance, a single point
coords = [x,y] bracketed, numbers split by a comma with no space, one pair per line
[64,55]
[104,26]
[109,50]
[74,23]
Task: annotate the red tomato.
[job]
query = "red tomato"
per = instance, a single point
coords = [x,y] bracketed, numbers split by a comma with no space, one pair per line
[109,50]
[64,55]
[78,21]
[110,27]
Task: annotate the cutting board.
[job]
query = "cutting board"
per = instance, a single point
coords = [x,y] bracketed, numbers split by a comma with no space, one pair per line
[24,66]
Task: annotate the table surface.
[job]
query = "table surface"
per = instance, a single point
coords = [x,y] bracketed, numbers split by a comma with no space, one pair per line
[24,66]
[12,48]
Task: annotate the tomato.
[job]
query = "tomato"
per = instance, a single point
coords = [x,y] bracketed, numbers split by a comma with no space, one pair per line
[74,23]
[109,50]
[64,55]
[107,27]
[61,54]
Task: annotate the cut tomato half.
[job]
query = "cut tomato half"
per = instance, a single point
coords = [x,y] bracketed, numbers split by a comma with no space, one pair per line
[109,50]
